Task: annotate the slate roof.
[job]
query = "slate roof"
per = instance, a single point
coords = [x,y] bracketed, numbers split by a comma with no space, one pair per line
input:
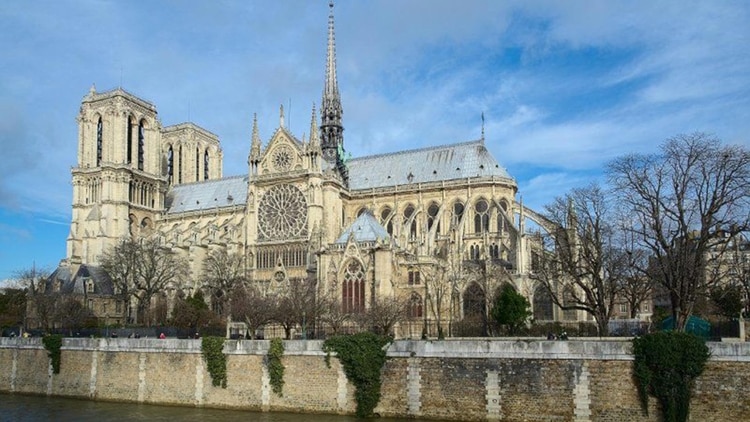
[75,284]
[365,229]
[433,164]
[208,194]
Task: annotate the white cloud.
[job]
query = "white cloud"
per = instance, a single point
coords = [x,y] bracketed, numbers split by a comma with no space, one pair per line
[413,73]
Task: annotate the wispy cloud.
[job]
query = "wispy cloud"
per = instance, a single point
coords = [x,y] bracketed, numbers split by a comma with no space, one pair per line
[564,86]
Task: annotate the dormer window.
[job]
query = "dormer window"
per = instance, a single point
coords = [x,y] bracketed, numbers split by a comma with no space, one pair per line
[89,286]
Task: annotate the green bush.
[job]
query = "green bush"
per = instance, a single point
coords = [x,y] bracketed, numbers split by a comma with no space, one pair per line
[665,366]
[216,362]
[511,309]
[362,355]
[275,367]
[53,343]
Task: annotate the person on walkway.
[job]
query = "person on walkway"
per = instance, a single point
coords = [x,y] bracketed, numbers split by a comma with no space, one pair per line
[162,336]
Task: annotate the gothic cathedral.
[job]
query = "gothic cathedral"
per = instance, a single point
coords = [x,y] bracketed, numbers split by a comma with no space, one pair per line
[439,227]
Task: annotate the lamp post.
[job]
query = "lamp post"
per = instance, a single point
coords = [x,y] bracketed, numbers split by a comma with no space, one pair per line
[304,332]
[106,325]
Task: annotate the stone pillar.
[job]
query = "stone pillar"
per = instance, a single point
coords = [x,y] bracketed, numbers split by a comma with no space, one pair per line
[494,403]
[582,398]
[413,388]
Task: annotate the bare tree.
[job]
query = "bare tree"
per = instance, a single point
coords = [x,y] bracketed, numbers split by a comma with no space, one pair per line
[71,314]
[687,202]
[636,288]
[383,314]
[332,314]
[42,304]
[252,307]
[437,288]
[223,271]
[584,264]
[142,268]
[295,305]
[121,264]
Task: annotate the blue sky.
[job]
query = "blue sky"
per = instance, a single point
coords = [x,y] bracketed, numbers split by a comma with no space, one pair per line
[564,86]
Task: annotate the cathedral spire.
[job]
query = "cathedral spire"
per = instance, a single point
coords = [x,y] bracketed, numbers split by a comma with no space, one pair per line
[254,157]
[314,138]
[331,127]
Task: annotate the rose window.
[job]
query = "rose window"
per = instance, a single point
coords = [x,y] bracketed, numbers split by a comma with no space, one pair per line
[283,157]
[282,213]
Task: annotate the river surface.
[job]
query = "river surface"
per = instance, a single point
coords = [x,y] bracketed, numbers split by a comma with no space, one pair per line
[16,407]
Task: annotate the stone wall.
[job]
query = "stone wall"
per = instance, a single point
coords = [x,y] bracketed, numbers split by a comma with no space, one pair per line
[452,379]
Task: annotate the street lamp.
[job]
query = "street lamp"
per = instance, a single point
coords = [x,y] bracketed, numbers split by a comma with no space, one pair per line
[304,333]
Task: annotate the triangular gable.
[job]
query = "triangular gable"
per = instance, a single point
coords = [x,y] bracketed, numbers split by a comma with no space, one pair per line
[364,229]
[283,153]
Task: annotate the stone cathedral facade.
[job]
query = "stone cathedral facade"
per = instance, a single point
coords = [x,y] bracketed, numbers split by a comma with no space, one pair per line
[419,224]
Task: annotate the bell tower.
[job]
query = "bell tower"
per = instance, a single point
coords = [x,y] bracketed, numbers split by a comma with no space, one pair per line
[118,186]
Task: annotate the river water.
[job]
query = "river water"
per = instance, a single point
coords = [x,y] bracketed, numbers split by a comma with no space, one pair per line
[16,407]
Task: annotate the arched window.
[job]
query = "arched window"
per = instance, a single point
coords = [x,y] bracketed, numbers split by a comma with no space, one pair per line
[414,278]
[432,212]
[205,165]
[481,217]
[197,164]
[408,213]
[474,301]
[170,165]
[141,143]
[542,304]
[474,252]
[361,211]
[129,146]
[179,165]
[414,309]
[385,213]
[502,213]
[353,288]
[99,141]
[458,212]
[494,251]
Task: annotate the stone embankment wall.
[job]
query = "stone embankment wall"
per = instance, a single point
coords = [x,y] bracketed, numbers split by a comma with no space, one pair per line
[452,379]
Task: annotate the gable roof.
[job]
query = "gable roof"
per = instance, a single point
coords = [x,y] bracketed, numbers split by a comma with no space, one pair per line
[208,194]
[364,229]
[433,164]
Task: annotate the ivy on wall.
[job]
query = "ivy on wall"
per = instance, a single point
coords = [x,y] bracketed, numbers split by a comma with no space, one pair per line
[666,365]
[362,355]
[53,343]
[216,361]
[275,367]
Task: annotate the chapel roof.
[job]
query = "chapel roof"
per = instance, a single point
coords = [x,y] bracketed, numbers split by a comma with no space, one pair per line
[364,229]
[75,284]
[207,194]
[432,164]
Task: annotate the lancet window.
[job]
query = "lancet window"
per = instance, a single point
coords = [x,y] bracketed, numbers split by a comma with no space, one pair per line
[408,213]
[386,220]
[170,164]
[415,306]
[99,141]
[481,216]
[205,165]
[197,164]
[141,143]
[291,256]
[432,219]
[129,146]
[353,288]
